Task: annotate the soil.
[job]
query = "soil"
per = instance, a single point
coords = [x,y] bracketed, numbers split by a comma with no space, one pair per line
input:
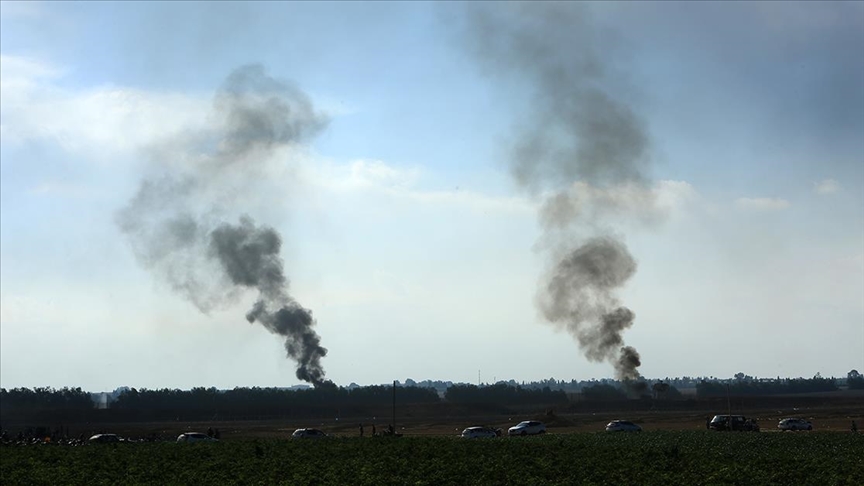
[833,413]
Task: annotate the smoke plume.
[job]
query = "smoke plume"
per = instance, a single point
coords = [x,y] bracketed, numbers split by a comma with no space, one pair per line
[178,221]
[578,134]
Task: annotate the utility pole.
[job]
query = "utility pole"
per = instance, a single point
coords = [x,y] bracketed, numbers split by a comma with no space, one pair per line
[394,406]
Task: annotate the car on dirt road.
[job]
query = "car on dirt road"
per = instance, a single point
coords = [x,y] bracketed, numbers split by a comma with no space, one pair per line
[480,432]
[308,434]
[794,424]
[733,423]
[104,439]
[528,427]
[194,437]
[622,426]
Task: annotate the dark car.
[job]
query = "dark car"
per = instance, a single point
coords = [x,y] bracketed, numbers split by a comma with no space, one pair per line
[733,423]
[194,437]
[794,424]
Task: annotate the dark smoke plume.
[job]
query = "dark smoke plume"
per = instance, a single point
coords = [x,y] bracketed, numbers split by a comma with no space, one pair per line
[176,222]
[250,258]
[579,129]
[580,296]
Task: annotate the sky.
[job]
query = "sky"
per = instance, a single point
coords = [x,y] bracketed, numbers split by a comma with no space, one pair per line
[410,159]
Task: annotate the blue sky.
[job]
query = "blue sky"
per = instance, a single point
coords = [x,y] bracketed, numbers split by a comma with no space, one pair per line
[403,230]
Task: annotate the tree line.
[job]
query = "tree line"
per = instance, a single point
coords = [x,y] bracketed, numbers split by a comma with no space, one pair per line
[45,398]
[275,401]
[741,387]
[503,394]
[242,401]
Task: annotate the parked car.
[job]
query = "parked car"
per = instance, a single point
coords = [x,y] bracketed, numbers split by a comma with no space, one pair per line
[479,432]
[794,424]
[193,437]
[733,422]
[528,427]
[308,434]
[104,439]
[622,426]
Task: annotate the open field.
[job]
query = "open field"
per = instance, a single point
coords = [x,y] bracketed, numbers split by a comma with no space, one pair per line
[674,449]
[834,415]
[678,457]
[434,427]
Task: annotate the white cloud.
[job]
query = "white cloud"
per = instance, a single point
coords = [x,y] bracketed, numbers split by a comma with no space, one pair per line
[400,184]
[20,71]
[61,188]
[826,186]
[369,173]
[98,122]
[105,121]
[28,9]
[583,203]
[761,203]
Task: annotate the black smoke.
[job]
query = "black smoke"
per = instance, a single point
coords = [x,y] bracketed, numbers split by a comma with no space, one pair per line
[249,255]
[578,128]
[580,295]
[178,221]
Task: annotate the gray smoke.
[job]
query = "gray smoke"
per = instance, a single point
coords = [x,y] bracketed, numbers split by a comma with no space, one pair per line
[250,257]
[578,128]
[176,222]
[579,295]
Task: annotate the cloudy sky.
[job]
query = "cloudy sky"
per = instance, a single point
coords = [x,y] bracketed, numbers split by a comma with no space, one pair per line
[409,227]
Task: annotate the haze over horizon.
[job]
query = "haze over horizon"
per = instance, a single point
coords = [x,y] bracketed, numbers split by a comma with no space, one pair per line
[422,187]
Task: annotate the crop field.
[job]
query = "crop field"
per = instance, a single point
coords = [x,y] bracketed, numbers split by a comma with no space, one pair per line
[676,457]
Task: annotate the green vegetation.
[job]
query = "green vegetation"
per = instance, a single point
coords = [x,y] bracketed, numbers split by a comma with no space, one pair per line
[693,458]
[762,388]
[504,394]
[45,397]
[855,380]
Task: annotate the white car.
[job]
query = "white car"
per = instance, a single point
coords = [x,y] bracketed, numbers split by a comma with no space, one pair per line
[478,432]
[622,426]
[308,434]
[192,437]
[104,439]
[528,427]
[794,424]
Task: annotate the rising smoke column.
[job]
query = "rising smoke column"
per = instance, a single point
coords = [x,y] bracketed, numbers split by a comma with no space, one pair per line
[581,149]
[179,222]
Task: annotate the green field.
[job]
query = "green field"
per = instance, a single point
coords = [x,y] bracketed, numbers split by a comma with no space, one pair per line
[667,458]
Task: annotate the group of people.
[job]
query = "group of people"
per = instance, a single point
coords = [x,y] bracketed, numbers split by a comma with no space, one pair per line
[388,431]
[41,435]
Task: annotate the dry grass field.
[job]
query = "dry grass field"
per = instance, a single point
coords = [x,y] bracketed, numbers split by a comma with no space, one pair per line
[832,414]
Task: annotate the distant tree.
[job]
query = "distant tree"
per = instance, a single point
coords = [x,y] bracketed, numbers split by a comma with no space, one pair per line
[503,394]
[855,380]
[660,389]
[603,392]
